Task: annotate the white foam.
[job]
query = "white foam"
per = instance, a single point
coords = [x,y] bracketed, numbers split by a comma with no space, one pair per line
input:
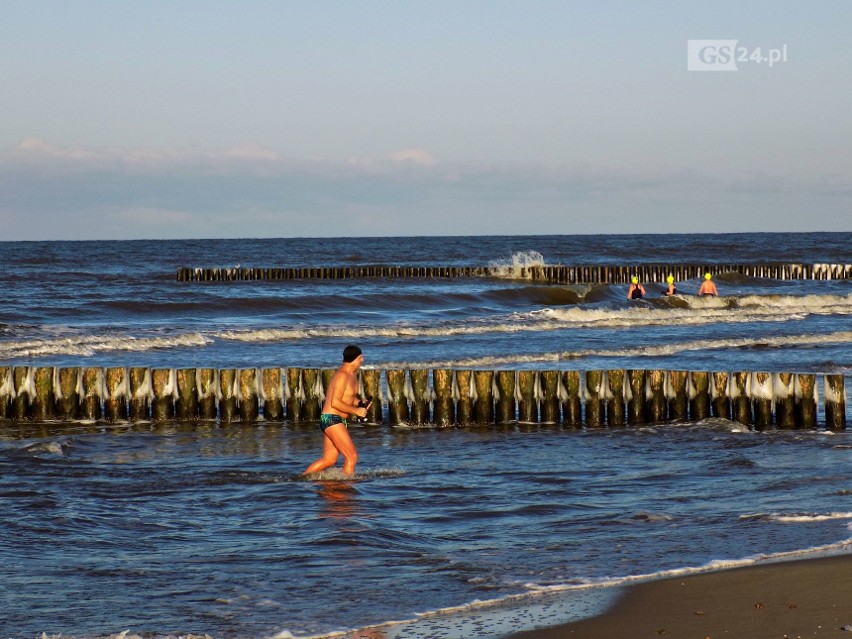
[89,345]
[516,266]
[797,518]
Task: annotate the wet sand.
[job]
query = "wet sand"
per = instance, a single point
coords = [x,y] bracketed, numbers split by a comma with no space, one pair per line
[792,600]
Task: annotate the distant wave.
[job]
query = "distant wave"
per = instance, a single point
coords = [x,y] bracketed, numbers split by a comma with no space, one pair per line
[88,345]
[796,518]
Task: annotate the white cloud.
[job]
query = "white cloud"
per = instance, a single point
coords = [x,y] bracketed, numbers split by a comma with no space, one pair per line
[414,156]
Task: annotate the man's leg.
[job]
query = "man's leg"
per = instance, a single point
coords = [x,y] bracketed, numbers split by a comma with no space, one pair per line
[329,455]
[342,442]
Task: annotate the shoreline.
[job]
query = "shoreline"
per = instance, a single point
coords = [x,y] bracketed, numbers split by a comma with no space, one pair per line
[788,599]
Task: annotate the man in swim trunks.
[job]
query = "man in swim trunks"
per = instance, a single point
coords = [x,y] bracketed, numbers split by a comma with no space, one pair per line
[708,287]
[341,401]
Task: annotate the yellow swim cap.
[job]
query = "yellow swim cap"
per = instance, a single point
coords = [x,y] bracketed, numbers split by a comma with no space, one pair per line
[707,276]
[670,279]
[634,279]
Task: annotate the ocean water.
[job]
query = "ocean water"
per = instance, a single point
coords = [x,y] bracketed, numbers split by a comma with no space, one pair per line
[470,531]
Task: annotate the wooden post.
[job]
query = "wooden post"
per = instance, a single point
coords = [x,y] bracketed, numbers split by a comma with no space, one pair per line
[295,394]
[420,396]
[442,383]
[272,394]
[249,395]
[572,411]
[741,398]
[140,394]
[397,400]
[835,402]
[93,383]
[7,390]
[464,392]
[24,391]
[636,403]
[67,393]
[656,394]
[314,394]
[372,380]
[207,382]
[228,388]
[163,404]
[594,400]
[699,395]
[483,408]
[44,399]
[615,414]
[805,392]
[721,403]
[761,396]
[677,396]
[785,400]
[505,397]
[527,404]
[549,384]
[186,405]
[115,397]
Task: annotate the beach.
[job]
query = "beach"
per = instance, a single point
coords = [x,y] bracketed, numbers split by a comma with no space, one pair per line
[789,600]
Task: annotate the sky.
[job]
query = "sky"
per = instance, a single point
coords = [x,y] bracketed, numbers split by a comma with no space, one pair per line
[184,119]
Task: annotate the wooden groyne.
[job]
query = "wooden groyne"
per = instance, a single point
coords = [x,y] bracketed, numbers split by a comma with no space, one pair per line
[590,399]
[556,274]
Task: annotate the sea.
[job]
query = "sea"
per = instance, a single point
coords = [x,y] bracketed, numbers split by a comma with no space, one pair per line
[166,529]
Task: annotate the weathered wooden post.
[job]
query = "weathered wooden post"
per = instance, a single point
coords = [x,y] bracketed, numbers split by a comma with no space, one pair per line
[761,395]
[93,384]
[549,385]
[44,399]
[442,383]
[295,394]
[699,395]
[420,395]
[314,394]
[24,391]
[527,404]
[572,405]
[835,402]
[228,389]
[483,408]
[676,394]
[140,394]
[249,396]
[7,390]
[636,394]
[397,401]
[741,398]
[785,400]
[594,399]
[505,397]
[656,393]
[186,405]
[272,393]
[464,392]
[207,382]
[720,402]
[806,401]
[67,393]
[163,404]
[115,397]
[615,414]
[372,381]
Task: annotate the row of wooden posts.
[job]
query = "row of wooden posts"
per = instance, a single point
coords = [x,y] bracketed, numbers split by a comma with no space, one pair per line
[592,398]
[556,274]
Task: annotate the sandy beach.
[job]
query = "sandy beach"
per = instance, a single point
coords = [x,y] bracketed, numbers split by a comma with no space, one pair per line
[790,600]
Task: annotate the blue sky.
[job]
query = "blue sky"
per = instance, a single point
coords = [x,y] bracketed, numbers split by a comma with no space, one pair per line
[272,119]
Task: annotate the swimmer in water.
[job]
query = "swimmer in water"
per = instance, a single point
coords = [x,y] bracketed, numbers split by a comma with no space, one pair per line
[708,287]
[636,290]
[672,289]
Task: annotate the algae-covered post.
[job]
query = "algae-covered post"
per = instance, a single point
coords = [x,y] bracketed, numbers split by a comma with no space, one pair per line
[311,384]
[67,392]
[719,395]
[761,396]
[741,398]
[186,405]
[208,392]
[527,404]
[636,395]
[93,385]
[249,395]
[835,402]
[483,407]
[549,385]
[23,392]
[699,395]
[505,397]
[228,389]
[163,383]
[421,395]
[656,396]
[140,393]
[594,399]
[43,401]
[464,392]
[115,395]
[806,401]
[442,383]
[295,394]
[397,400]
[677,396]
[615,415]
[572,405]
[272,394]
[373,387]
[785,400]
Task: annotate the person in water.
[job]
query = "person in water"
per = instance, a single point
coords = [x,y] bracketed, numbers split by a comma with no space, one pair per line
[636,290]
[672,289]
[708,287]
[341,401]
